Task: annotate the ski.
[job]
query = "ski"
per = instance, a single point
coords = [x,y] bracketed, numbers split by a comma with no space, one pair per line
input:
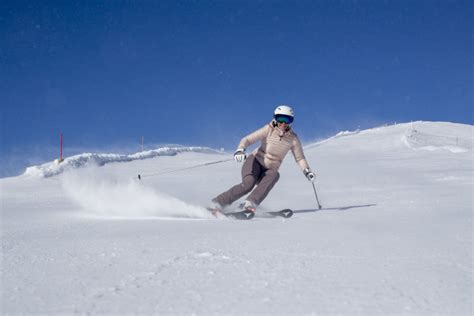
[286,213]
[246,215]
[241,215]
[237,215]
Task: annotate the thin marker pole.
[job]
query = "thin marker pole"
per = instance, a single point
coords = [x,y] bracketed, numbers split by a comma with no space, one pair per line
[61,148]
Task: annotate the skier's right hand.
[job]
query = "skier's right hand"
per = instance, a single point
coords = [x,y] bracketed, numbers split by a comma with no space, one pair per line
[240,155]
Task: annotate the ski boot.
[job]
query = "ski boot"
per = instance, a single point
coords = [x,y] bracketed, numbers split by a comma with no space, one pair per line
[249,206]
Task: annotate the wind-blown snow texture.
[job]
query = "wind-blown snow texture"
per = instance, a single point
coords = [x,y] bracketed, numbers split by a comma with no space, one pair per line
[395,234]
[89,159]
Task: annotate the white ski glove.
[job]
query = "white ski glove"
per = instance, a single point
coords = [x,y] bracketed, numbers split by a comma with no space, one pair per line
[240,155]
[309,175]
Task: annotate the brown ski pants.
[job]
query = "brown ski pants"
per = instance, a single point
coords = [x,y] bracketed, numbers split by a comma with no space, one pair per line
[253,174]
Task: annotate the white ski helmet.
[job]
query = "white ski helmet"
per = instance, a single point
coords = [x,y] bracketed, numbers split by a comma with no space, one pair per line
[284,111]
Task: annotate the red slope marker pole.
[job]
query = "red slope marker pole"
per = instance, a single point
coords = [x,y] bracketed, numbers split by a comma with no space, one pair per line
[61,148]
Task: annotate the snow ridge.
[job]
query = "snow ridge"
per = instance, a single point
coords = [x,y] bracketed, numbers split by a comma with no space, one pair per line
[419,135]
[417,139]
[338,135]
[95,159]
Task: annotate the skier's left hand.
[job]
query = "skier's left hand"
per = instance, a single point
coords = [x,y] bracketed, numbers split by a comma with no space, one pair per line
[310,175]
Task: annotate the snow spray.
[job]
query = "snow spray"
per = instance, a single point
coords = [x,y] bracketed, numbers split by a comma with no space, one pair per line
[107,197]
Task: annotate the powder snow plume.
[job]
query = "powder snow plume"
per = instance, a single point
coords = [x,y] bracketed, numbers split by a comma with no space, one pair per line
[107,197]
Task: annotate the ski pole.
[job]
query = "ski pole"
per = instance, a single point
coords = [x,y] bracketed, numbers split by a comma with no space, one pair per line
[316,195]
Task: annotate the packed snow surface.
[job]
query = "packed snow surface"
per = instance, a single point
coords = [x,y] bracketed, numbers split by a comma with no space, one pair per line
[394,234]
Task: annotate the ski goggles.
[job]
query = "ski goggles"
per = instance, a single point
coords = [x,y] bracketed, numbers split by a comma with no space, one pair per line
[283,119]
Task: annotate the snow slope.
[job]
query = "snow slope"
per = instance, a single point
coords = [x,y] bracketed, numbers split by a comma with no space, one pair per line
[395,234]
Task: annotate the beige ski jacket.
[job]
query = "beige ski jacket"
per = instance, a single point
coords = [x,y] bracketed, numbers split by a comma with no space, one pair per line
[275,145]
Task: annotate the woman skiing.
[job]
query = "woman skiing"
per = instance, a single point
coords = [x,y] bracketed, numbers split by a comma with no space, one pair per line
[260,168]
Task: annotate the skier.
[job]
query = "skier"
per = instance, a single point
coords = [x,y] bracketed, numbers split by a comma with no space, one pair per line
[260,168]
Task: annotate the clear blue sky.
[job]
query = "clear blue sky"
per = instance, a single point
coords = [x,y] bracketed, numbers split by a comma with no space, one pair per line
[106,73]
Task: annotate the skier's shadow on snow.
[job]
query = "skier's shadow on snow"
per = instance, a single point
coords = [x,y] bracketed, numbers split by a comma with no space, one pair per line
[341,208]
